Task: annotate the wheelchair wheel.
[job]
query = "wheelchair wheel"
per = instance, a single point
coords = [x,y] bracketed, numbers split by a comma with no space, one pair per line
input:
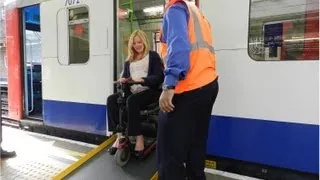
[122,156]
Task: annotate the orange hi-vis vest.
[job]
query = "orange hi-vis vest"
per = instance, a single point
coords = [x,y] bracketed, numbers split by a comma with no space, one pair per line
[202,69]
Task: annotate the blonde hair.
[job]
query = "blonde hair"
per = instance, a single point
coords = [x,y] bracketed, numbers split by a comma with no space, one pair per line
[131,52]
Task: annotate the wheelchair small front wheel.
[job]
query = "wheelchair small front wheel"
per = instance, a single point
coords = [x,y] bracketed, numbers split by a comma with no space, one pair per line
[122,156]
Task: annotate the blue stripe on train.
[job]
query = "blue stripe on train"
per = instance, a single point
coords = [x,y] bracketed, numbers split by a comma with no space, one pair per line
[90,118]
[285,145]
[280,144]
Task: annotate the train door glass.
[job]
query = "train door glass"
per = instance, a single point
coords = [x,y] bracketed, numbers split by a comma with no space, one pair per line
[32,62]
[145,15]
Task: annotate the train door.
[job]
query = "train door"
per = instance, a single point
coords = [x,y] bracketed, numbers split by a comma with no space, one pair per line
[145,15]
[137,14]
[77,63]
[32,62]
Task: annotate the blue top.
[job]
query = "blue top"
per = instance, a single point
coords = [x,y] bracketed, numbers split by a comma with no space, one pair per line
[175,34]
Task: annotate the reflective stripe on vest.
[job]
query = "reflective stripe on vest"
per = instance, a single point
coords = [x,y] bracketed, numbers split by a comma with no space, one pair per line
[200,43]
[202,56]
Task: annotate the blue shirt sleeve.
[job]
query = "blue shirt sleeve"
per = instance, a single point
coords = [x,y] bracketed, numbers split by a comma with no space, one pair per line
[175,34]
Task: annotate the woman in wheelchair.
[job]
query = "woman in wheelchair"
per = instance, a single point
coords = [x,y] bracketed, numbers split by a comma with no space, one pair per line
[145,66]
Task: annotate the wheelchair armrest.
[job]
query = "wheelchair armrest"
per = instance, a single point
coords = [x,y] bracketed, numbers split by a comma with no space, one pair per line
[152,106]
[150,109]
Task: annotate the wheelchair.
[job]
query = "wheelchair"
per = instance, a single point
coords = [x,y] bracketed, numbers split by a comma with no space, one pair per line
[149,127]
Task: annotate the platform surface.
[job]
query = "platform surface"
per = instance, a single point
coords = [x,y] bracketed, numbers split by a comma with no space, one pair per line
[43,157]
[38,156]
[102,166]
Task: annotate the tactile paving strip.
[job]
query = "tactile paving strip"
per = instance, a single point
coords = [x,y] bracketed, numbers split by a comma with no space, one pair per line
[30,170]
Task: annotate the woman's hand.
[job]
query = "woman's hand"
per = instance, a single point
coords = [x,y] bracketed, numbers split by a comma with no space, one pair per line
[139,80]
[123,80]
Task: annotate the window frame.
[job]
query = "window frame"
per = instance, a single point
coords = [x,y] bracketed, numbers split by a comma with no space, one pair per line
[89,30]
[68,34]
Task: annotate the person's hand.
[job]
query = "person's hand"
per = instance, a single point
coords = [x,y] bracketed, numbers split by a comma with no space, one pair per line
[165,100]
[123,80]
[139,80]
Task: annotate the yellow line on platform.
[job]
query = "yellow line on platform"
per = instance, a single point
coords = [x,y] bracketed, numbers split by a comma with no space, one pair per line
[155,176]
[84,159]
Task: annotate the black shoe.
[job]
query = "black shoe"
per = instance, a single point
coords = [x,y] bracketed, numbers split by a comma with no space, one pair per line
[7,154]
[112,150]
[139,154]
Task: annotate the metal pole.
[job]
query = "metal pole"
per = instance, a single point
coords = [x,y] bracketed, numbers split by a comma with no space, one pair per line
[131,15]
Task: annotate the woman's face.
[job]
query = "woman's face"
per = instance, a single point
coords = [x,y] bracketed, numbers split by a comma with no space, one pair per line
[138,44]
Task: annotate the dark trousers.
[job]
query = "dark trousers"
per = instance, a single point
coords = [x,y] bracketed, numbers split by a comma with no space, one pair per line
[135,103]
[182,134]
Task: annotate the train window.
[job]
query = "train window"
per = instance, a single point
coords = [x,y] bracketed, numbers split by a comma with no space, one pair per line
[284,30]
[78,26]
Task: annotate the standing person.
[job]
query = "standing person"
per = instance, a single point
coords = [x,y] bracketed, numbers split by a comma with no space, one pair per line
[189,92]
[4,153]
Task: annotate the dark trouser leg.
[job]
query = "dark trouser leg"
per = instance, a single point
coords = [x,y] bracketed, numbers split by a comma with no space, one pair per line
[113,112]
[195,163]
[113,118]
[135,103]
[182,134]
[171,144]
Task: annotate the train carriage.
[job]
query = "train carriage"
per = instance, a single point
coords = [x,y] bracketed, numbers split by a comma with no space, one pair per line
[63,56]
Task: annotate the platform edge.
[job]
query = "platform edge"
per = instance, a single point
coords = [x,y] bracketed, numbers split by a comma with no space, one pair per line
[155,176]
[84,159]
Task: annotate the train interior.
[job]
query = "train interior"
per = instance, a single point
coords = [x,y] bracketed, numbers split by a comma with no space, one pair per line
[146,15]
[32,62]
[137,14]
